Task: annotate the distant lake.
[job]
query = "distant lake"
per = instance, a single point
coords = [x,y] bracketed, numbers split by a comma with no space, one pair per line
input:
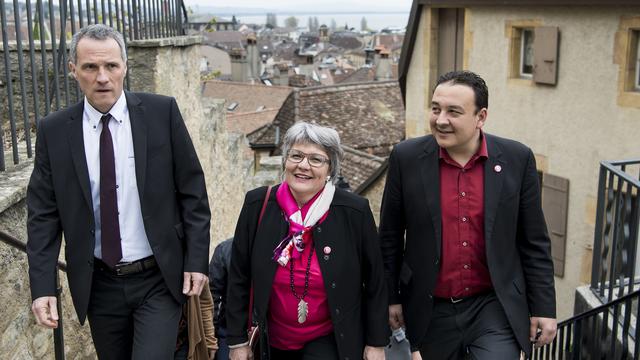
[375,21]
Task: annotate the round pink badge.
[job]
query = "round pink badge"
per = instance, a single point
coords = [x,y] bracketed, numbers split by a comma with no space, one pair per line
[327,250]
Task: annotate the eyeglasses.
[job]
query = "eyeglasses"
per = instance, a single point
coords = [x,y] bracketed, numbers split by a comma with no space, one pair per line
[314,160]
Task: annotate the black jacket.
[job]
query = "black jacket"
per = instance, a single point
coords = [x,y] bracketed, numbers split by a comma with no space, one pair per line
[517,245]
[218,275]
[353,271]
[173,198]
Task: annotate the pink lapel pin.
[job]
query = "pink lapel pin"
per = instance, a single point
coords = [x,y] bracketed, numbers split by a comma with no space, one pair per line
[327,250]
[497,168]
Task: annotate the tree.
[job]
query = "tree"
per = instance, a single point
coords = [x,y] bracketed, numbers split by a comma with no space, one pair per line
[291,22]
[334,26]
[363,24]
[272,20]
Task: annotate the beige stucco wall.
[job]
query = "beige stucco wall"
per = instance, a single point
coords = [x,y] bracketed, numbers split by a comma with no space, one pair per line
[374,194]
[573,125]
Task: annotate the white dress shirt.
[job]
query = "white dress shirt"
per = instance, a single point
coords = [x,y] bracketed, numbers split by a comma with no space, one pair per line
[135,244]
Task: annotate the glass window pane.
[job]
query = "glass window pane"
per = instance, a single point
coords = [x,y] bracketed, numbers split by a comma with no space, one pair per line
[526,53]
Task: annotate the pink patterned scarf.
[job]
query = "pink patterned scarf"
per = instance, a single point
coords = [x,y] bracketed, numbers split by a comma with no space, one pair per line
[301,220]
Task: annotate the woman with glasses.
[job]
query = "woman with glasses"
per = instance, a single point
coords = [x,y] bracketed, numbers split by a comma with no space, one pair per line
[307,254]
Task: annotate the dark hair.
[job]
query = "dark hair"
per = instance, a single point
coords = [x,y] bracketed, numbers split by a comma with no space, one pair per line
[470,79]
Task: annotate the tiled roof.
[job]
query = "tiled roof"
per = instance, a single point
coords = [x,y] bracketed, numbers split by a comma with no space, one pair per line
[224,39]
[248,122]
[358,167]
[250,98]
[368,116]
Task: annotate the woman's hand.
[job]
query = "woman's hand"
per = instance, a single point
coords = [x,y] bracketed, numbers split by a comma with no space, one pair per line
[416,355]
[373,353]
[241,353]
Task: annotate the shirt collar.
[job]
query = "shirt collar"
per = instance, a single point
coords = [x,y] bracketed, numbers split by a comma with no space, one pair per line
[118,111]
[481,153]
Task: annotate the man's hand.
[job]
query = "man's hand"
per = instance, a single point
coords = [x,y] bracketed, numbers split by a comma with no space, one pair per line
[193,283]
[547,328]
[416,355]
[46,311]
[395,316]
[241,353]
[373,353]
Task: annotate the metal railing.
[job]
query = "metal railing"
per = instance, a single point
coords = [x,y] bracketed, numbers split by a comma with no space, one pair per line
[615,271]
[58,337]
[34,79]
[605,332]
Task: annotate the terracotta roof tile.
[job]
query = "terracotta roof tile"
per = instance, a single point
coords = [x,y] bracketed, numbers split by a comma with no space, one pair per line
[250,98]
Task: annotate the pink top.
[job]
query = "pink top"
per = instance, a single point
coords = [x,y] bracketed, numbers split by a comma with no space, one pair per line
[285,333]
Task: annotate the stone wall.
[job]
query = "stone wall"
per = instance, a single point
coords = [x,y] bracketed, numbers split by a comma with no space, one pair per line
[171,67]
[20,337]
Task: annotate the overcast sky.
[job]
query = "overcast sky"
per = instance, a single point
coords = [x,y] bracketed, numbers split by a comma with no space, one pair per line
[311,5]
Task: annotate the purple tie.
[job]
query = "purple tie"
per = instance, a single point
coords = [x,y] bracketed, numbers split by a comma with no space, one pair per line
[110,227]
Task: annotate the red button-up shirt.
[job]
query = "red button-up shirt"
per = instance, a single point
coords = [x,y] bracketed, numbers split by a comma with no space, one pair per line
[463,269]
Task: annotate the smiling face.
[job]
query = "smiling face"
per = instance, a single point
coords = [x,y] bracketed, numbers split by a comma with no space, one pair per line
[303,179]
[100,72]
[454,120]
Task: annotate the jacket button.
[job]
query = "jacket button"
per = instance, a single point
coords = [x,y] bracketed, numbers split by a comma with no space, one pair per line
[326,257]
[430,297]
[333,285]
[437,261]
[319,229]
[341,335]
[338,312]
[93,232]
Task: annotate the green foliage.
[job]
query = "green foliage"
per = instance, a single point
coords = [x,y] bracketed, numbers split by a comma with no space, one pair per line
[291,22]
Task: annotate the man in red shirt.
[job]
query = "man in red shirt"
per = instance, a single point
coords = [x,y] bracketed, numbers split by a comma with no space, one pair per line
[465,245]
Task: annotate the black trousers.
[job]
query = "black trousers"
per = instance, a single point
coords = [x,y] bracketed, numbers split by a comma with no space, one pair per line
[475,328]
[322,348]
[133,316]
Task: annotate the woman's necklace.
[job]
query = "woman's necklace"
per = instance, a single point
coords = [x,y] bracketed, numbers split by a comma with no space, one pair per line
[303,308]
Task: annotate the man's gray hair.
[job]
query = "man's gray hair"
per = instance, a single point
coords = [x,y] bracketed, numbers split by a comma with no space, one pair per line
[96,32]
[325,137]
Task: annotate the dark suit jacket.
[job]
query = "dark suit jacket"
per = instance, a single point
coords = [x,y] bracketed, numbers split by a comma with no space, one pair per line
[171,186]
[516,240]
[353,271]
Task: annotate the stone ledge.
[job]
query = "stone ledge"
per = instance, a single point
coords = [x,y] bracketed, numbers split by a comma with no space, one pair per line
[176,41]
[13,184]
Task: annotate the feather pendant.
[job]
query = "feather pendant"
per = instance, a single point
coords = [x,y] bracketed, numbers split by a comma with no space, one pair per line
[303,310]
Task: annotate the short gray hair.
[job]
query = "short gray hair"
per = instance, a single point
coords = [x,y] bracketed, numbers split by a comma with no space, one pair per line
[325,137]
[96,32]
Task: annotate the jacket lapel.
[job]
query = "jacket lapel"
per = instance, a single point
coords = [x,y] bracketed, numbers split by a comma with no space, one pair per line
[76,144]
[139,135]
[493,177]
[430,172]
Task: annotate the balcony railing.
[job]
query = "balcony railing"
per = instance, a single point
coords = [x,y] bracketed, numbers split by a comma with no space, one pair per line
[34,78]
[605,332]
[615,271]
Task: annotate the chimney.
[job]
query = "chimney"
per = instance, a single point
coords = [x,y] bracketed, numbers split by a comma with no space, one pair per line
[238,65]
[383,70]
[376,57]
[369,54]
[253,57]
[305,65]
[282,74]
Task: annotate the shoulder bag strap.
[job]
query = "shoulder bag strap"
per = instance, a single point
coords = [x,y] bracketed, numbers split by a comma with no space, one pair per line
[264,206]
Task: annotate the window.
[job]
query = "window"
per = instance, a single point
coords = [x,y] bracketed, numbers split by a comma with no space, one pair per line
[534,52]
[637,56]
[526,53]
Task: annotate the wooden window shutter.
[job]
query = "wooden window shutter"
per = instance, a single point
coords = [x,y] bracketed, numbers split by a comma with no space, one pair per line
[545,55]
[555,204]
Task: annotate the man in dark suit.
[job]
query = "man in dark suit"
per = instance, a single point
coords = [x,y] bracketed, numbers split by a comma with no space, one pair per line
[118,175]
[464,241]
